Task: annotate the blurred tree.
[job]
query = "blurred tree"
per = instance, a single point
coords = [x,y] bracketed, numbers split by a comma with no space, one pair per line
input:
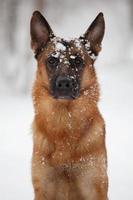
[11,22]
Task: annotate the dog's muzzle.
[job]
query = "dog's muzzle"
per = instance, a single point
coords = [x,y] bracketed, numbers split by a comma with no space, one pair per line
[65,88]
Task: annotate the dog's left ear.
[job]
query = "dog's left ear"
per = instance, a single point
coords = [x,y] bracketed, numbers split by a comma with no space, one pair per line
[95,33]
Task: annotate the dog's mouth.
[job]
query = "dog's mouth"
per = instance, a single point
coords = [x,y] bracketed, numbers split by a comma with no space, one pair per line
[65,96]
[68,94]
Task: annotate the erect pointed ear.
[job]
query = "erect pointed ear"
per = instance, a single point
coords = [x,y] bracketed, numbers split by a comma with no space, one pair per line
[40,31]
[95,33]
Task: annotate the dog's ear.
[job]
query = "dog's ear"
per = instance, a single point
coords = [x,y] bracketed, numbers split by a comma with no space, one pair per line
[40,31]
[95,33]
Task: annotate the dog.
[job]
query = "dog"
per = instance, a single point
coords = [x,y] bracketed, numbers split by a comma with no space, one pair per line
[69,159]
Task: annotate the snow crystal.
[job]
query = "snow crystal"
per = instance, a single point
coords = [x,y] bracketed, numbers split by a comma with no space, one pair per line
[60,47]
[62,56]
[93,56]
[82,159]
[43,163]
[87,45]
[77,43]
[55,40]
[69,114]
[43,159]
[72,57]
[61,154]
[66,62]
[86,92]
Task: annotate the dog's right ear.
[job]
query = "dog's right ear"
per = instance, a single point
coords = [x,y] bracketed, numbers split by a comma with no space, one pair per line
[40,31]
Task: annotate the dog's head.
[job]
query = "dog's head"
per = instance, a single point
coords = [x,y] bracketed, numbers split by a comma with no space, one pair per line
[65,68]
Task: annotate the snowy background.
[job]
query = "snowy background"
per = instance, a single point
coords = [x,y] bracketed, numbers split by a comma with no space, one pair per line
[17,69]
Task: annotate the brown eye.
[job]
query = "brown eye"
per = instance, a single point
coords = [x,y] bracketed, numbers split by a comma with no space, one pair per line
[76,61]
[52,61]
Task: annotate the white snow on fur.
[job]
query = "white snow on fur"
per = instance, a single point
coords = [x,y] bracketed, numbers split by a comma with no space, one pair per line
[60,47]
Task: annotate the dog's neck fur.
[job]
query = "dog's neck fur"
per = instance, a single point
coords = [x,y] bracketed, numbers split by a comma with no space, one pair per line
[68,118]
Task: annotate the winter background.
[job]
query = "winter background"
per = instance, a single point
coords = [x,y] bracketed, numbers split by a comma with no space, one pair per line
[17,71]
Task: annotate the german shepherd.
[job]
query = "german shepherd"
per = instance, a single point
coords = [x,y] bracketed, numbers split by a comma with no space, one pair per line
[69,155]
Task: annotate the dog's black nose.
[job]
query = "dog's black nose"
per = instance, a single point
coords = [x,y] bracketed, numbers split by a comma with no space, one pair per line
[63,83]
[64,87]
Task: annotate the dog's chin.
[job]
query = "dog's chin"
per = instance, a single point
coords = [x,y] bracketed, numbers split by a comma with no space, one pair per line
[64,99]
[64,96]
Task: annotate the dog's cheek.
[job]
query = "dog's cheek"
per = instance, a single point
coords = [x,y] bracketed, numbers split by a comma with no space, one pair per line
[86,77]
[43,74]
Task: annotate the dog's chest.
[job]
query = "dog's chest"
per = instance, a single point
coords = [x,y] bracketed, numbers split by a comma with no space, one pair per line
[67,123]
[72,181]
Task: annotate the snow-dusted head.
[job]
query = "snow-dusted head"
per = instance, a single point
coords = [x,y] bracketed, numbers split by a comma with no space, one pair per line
[65,67]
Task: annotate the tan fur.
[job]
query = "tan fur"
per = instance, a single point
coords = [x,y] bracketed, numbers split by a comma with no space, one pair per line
[69,159]
[69,155]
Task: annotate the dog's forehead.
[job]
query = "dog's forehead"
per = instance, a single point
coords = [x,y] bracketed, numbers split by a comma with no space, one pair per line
[71,48]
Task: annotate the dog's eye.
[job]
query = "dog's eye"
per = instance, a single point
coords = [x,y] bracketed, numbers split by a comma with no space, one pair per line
[52,61]
[76,61]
